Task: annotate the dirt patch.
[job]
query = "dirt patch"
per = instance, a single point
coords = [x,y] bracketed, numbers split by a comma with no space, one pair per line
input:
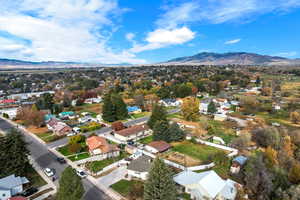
[37,130]
[181,159]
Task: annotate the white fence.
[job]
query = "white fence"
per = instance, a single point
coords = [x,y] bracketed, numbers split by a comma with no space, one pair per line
[109,167]
[91,159]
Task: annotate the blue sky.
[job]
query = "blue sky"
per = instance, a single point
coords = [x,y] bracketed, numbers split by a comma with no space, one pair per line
[136,31]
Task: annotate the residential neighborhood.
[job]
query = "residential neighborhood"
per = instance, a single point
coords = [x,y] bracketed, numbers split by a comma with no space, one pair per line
[149,100]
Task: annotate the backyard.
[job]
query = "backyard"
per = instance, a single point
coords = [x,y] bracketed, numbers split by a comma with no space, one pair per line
[200,152]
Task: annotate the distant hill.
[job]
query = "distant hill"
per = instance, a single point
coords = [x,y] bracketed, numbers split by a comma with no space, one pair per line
[240,58]
[13,62]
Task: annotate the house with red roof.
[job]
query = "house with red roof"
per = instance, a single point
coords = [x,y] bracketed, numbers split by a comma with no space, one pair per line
[99,146]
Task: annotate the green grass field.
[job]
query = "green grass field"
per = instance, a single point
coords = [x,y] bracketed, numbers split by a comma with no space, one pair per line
[197,151]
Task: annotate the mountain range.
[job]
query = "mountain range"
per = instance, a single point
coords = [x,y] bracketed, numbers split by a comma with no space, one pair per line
[239,58]
[204,58]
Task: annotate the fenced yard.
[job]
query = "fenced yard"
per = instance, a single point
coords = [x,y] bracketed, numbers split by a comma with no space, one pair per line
[202,153]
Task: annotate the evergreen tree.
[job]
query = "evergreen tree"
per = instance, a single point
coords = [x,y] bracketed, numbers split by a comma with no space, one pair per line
[160,185]
[211,108]
[158,114]
[120,106]
[70,186]
[108,109]
[161,131]
[13,154]
[175,133]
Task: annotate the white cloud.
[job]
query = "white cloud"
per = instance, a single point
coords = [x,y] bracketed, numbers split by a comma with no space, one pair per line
[160,38]
[62,30]
[220,11]
[287,54]
[233,41]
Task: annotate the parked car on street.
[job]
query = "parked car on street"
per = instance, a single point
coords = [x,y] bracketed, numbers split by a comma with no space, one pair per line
[81,173]
[61,160]
[49,172]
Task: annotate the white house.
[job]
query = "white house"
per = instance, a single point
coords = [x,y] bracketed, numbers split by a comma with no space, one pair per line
[133,133]
[206,185]
[139,167]
[11,185]
[203,107]
[93,100]
[170,102]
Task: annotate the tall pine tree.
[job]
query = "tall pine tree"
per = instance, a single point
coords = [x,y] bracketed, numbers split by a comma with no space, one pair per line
[175,133]
[161,131]
[160,185]
[70,186]
[108,109]
[13,154]
[120,106]
[158,114]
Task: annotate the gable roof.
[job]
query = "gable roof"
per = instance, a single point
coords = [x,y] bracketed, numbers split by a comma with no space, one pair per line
[132,130]
[209,181]
[96,142]
[12,181]
[160,146]
[141,164]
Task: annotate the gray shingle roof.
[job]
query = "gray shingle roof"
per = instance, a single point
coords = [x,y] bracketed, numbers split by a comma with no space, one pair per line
[141,164]
[12,181]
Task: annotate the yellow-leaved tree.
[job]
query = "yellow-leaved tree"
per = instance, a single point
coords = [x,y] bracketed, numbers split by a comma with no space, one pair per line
[190,108]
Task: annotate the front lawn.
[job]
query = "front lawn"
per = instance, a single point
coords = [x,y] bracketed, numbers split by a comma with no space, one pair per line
[64,150]
[35,179]
[124,187]
[146,140]
[201,152]
[79,156]
[97,166]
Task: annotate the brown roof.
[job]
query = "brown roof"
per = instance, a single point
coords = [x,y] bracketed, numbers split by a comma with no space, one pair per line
[96,142]
[133,130]
[160,146]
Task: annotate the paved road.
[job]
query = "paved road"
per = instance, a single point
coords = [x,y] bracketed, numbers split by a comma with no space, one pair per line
[45,158]
[102,131]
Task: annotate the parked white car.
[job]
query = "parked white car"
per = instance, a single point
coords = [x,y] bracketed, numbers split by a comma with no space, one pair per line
[71,134]
[49,172]
[81,173]
[76,129]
